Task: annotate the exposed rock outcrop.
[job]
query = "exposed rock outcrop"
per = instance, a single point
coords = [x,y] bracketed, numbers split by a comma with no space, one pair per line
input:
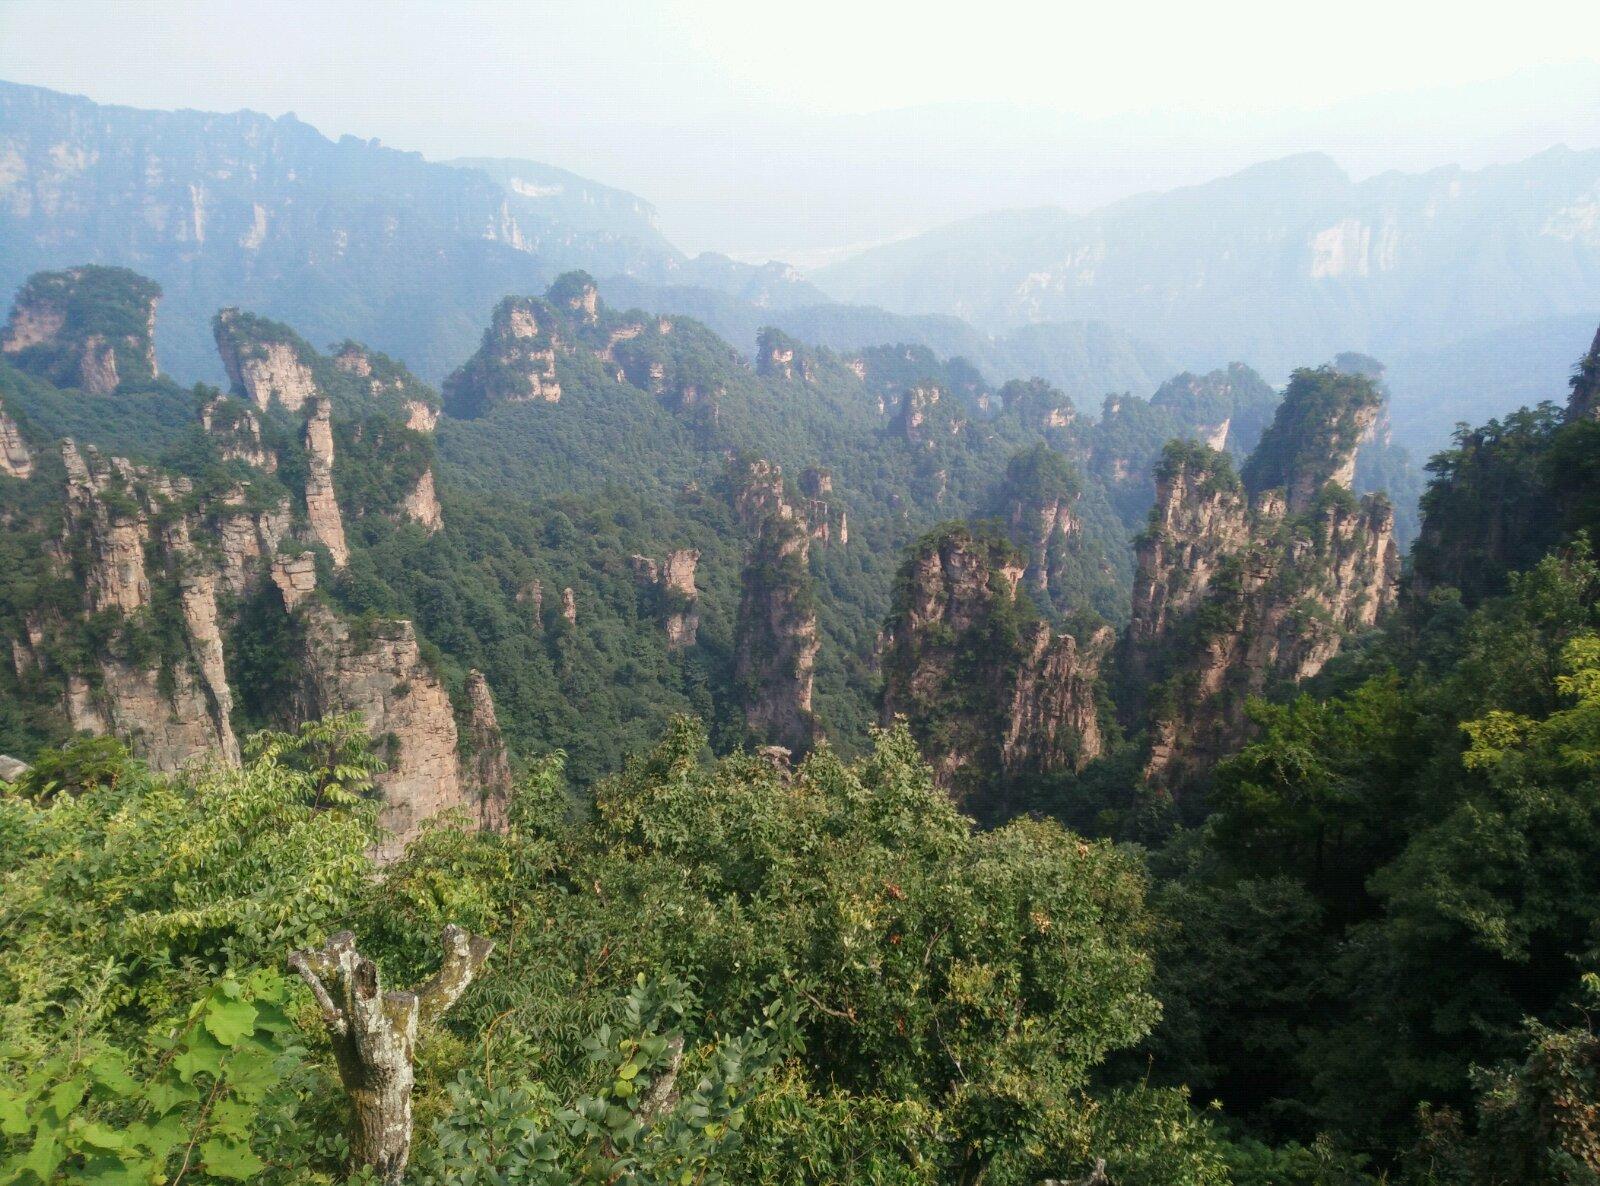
[515,362]
[486,769]
[15,459]
[1312,441]
[775,640]
[421,505]
[295,578]
[1037,502]
[90,327]
[671,582]
[1584,402]
[322,505]
[1244,588]
[988,690]
[236,429]
[266,362]
[121,519]
[379,672]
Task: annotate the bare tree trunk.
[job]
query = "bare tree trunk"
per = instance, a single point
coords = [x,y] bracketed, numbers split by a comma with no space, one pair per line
[374,1036]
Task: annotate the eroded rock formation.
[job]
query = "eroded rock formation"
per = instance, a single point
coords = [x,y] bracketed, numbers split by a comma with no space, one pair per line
[989,691]
[15,459]
[1247,586]
[267,363]
[486,769]
[322,505]
[91,327]
[775,641]
[671,583]
[236,429]
[515,362]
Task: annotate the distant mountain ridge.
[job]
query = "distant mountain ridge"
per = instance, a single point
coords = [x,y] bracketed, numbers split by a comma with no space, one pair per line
[1283,261]
[350,236]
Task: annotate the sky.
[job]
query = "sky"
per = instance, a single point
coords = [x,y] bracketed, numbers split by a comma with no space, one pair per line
[803,131]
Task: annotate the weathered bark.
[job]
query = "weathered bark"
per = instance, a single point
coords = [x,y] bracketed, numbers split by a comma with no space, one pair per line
[1097,1177]
[374,1036]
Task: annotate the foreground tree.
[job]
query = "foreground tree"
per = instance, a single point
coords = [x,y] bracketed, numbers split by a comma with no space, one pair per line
[374,1035]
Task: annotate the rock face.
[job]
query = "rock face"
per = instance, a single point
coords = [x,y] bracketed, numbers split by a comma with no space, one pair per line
[91,327]
[1312,441]
[120,519]
[379,672]
[775,640]
[322,506]
[775,354]
[421,505]
[988,690]
[1243,588]
[1584,402]
[266,362]
[925,416]
[672,584]
[485,766]
[515,363]
[15,459]
[236,429]
[1037,505]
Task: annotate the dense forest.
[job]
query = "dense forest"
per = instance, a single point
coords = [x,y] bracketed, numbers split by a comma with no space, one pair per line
[862,772]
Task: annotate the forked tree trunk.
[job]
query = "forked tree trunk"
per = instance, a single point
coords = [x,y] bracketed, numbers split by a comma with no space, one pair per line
[374,1036]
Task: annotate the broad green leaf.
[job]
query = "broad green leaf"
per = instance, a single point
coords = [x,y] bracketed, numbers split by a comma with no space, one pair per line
[230,1159]
[230,1020]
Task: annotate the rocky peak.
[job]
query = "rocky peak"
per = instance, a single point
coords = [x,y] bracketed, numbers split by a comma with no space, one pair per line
[758,492]
[917,420]
[486,769]
[989,691]
[1584,402]
[1325,416]
[15,459]
[515,362]
[267,362]
[90,327]
[775,354]
[1037,503]
[236,429]
[1038,403]
[386,379]
[775,638]
[322,505]
[1236,593]
[576,293]
[128,527]
[378,671]
[672,583]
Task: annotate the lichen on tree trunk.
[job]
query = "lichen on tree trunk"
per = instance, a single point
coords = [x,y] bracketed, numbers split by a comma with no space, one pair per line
[374,1036]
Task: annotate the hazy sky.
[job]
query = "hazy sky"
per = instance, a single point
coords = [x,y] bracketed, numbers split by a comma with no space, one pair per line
[796,129]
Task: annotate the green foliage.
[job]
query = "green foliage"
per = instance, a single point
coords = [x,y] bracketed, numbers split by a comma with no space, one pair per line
[204,1100]
[1320,418]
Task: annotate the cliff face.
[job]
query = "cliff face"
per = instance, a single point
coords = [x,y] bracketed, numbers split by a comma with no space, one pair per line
[486,769]
[515,362]
[172,704]
[775,641]
[421,505]
[1242,588]
[386,380]
[379,673]
[91,327]
[266,362]
[1037,504]
[988,690]
[15,459]
[322,506]
[1584,402]
[671,582]
[236,429]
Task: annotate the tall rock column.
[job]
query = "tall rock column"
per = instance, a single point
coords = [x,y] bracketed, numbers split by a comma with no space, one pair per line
[322,506]
[485,767]
[15,459]
[775,643]
[987,689]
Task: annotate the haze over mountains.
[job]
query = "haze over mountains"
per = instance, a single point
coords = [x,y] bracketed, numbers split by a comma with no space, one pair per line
[1464,282]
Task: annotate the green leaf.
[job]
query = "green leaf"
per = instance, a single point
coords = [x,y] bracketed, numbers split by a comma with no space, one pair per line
[101,1137]
[230,1159]
[230,1020]
[111,1073]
